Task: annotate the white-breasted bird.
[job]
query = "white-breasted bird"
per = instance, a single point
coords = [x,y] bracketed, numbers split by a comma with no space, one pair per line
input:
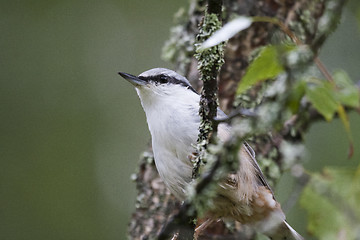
[171,106]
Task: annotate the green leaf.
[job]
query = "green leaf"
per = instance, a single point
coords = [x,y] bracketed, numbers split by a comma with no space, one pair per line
[330,97]
[298,91]
[331,200]
[322,98]
[347,93]
[320,210]
[345,121]
[266,65]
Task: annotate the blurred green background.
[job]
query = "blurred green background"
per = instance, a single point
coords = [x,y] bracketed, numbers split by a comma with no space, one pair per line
[72,130]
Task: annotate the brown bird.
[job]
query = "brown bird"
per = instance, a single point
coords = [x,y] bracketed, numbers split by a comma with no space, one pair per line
[171,106]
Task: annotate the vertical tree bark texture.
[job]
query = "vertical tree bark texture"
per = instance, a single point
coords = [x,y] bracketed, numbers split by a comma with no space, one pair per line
[154,203]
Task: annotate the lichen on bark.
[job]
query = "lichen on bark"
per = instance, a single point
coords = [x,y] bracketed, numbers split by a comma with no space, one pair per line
[209,64]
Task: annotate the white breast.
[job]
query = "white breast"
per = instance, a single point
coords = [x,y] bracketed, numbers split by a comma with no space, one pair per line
[173,124]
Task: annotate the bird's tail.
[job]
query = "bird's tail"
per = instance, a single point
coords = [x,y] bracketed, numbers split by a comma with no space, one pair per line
[283,231]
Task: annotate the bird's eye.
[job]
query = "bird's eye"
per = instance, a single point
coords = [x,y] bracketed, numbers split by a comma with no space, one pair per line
[163,79]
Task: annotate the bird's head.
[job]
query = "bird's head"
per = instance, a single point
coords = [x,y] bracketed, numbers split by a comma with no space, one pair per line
[159,81]
[163,93]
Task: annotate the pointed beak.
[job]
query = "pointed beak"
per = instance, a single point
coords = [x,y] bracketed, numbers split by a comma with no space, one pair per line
[134,80]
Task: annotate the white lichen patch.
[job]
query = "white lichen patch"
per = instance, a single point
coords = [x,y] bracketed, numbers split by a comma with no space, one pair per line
[292,153]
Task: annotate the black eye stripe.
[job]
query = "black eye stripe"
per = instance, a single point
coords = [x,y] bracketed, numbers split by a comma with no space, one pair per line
[162,79]
[165,79]
[157,79]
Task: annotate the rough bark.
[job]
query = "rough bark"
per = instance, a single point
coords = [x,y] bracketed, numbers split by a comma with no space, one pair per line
[155,204]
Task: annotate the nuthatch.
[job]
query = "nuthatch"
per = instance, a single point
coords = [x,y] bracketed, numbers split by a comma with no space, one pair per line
[171,106]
